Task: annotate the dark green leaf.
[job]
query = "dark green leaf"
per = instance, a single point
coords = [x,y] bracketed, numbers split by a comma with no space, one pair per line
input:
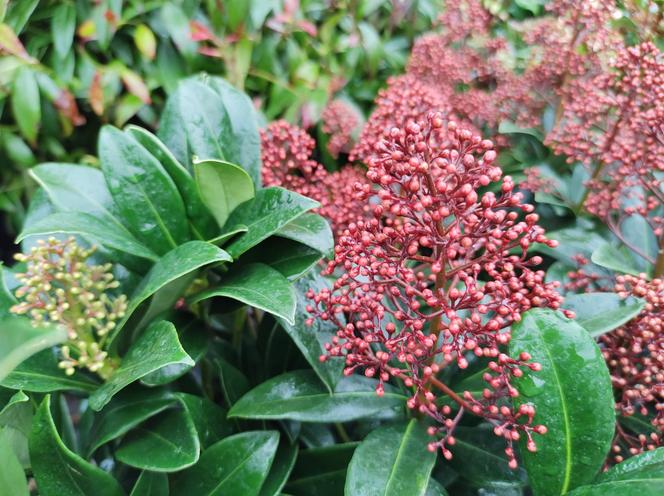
[611,258]
[222,186]
[151,484]
[265,215]
[573,398]
[311,339]
[11,471]
[282,466]
[96,229]
[236,465]
[125,411]
[392,460]
[321,471]
[645,487]
[311,230]
[157,347]
[59,471]
[63,26]
[209,418]
[299,395]
[145,194]
[26,103]
[41,374]
[177,263]
[259,286]
[200,217]
[166,443]
[234,383]
[600,313]
[19,340]
[195,123]
[647,465]
[245,149]
[19,14]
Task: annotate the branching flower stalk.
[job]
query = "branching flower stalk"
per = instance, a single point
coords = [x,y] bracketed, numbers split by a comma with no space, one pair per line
[60,287]
[439,273]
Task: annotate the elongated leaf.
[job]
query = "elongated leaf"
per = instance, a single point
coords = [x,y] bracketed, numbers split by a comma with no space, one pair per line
[126,411]
[259,286]
[222,186]
[611,258]
[19,14]
[26,103]
[283,464]
[201,218]
[311,339]
[7,299]
[299,395]
[40,374]
[600,313]
[234,383]
[177,263]
[647,465]
[266,214]
[96,229]
[63,26]
[145,194]
[245,148]
[236,465]
[11,471]
[639,487]
[208,417]
[151,484]
[157,347]
[169,440]
[311,230]
[16,424]
[20,340]
[195,123]
[58,470]
[573,398]
[392,460]
[321,471]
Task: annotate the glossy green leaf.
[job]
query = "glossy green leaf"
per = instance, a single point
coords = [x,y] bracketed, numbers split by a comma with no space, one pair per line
[223,238]
[611,258]
[478,456]
[236,465]
[573,398]
[311,339]
[200,217]
[299,395]
[7,299]
[209,418]
[166,443]
[145,194]
[126,411]
[321,471]
[157,347]
[283,464]
[259,286]
[222,186]
[11,471]
[40,374]
[59,471]
[600,313]
[151,484]
[234,383]
[26,103]
[311,230]
[195,123]
[63,26]
[392,461]
[245,149]
[177,263]
[265,215]
[95,229]
[19,340]
[643,487]
[16,424]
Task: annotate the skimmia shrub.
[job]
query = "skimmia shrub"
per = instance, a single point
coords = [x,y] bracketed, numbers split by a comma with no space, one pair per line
[457,295]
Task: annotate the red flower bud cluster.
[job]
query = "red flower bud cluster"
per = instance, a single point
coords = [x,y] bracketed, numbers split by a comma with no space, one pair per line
[340,121]
[286,151]
[439,273]
[635,356]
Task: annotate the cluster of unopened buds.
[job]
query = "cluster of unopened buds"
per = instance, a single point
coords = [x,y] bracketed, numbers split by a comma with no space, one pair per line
[634,354]
[59,287]
[437,276]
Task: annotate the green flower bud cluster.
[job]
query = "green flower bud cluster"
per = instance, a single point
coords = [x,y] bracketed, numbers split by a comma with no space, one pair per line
[60,287]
